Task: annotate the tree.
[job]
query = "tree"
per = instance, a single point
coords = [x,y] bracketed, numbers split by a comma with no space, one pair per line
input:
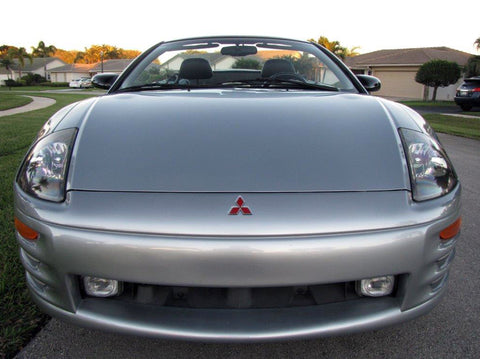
[336,48]
[247,64]
[438,73]
[473,67]
[7,63]
[5,59]
[20,54]
[79,58]
[477,43]
[93,54]
[43,51]
[346,52]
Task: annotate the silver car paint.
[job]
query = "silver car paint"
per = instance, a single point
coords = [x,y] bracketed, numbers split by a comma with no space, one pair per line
[221,260]
[238,141]
[317,233]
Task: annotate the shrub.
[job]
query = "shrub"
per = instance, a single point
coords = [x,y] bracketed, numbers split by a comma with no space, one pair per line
[54,84]
[12,83]
[33,79]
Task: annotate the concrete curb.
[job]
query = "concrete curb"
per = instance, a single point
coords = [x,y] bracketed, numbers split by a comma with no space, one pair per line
[457,115]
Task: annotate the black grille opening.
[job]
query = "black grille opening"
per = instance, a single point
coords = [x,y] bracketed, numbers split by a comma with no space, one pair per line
[237,298]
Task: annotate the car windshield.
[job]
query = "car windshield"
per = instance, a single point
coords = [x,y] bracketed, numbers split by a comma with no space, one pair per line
[236,62]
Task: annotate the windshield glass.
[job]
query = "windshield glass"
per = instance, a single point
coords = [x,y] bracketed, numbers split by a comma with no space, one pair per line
[236,62]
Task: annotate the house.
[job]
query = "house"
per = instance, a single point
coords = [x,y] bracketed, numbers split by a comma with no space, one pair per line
[113,66]
[69,72]
[397,69]
[75,71]
[216,60]
[39,65]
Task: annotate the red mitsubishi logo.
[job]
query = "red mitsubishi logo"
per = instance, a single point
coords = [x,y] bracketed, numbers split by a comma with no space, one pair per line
[239,207]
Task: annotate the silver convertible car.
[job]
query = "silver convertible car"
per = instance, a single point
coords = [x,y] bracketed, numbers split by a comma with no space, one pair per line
[236,189]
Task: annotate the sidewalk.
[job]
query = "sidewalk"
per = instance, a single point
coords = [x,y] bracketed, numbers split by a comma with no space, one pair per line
[464,116]
[36,104]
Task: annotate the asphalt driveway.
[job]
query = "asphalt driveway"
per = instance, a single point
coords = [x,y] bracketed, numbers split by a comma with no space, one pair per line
[451,330]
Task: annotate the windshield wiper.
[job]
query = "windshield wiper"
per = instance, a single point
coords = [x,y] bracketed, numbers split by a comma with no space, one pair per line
[267,82]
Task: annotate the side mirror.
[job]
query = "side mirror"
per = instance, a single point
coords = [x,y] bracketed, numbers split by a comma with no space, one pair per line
[104,80]
[370,83]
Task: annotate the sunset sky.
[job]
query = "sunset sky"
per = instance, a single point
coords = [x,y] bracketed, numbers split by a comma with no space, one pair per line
[370,24]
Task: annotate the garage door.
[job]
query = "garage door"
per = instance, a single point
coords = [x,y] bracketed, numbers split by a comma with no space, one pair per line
[399,84]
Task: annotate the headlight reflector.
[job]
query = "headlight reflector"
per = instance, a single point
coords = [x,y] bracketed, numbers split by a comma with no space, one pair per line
[432,175]
[44,170]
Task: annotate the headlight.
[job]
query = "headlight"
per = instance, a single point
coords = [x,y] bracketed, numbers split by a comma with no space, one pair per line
[44,170]
[432,175]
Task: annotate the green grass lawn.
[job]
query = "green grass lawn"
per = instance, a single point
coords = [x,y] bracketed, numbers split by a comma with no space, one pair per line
[459,126]
[9,100]
[29,88]
[429,103]
[439,104]
[19,317]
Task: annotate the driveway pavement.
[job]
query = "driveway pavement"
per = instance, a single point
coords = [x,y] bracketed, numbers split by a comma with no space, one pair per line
[451,330]
[36,104]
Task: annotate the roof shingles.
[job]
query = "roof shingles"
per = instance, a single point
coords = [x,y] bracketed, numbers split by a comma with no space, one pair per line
[408,57]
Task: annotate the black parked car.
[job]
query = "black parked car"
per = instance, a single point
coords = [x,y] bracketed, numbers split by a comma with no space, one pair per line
[468,94]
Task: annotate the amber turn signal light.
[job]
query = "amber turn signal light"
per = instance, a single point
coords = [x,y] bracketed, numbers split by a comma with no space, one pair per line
[24,230]
[452,230]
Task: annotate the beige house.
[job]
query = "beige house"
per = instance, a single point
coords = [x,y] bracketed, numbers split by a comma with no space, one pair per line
[70,72]
[37,66]
[397,69]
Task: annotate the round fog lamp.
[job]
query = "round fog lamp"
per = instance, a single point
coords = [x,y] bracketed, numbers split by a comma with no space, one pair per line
[376,287]
[100,287]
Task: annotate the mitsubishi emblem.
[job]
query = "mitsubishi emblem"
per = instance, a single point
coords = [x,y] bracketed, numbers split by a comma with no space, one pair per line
[240,207]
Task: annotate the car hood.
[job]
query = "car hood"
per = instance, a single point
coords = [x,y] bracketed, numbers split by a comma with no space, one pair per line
[237,141]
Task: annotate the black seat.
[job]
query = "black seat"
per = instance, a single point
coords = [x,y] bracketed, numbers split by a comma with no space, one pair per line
[276,66]
[195,69]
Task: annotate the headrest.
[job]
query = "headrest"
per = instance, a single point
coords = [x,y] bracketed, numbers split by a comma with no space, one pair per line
[195,69]
[275,66]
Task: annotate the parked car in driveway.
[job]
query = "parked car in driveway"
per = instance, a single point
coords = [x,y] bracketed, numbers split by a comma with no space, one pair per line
[468,94]
[207,197]
[84,82]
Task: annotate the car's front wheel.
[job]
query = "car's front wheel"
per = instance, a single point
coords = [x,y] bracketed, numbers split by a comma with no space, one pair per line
[466,107]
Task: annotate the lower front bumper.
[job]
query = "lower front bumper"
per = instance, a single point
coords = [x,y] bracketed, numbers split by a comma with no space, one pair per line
[239,325]
[412,252]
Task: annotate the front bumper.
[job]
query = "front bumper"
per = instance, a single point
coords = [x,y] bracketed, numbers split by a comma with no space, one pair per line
[412,252]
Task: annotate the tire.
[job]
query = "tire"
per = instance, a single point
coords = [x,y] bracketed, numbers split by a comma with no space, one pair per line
[466,107]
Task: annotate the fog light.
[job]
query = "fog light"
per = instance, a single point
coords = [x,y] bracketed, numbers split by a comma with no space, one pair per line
[376,287]
[101,287]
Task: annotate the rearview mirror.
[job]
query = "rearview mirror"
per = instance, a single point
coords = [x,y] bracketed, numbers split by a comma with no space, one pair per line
[370,83]
[104,80]
[239,50]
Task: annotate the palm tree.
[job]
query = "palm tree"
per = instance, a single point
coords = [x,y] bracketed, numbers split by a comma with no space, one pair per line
[477,43]
[333,46]
[20,54]
[43,51]
[7,63]
[79,57]
[5,60]
[346,52]
[336,48]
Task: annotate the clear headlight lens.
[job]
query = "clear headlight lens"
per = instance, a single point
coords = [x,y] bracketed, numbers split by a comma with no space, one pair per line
[432,175]
[44,170]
